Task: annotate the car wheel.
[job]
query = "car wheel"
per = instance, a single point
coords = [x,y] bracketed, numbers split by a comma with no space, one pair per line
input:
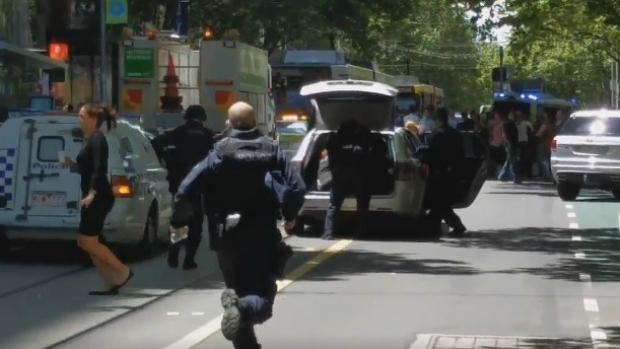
[616,193]
[147,247]
[568,191]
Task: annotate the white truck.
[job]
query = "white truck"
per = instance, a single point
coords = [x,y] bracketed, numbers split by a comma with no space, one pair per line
[232,71]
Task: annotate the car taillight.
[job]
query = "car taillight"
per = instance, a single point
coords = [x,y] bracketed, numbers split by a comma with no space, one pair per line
[403,171]
[122,187]
[554,145]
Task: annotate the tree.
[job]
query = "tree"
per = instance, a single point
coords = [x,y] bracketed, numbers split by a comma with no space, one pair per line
[441,45]
[568,43]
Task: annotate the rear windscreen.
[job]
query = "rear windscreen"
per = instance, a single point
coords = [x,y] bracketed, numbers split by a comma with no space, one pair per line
[591,126]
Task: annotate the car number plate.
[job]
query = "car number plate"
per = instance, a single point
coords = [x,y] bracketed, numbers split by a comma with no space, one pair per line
[50,199]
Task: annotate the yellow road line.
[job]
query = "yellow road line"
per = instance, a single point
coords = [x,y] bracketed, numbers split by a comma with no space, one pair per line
[212,327]
[311,264]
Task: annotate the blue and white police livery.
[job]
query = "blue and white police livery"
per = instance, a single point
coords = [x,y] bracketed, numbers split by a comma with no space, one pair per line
[7,170]
[39,196]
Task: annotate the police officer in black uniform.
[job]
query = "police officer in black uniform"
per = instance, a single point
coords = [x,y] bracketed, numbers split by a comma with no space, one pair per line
[349,153]
[182,148]
[445,157]
[238,180]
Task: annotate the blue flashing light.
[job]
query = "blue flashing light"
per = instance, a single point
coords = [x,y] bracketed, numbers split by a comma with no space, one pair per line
[499,94]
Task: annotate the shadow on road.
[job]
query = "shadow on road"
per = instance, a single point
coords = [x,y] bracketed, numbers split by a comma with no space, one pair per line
[600,246]
[524,192]
[48,253]
[613,335]
[573,343]
[60,253]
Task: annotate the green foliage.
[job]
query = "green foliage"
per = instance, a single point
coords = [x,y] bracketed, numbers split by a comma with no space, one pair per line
[570,43]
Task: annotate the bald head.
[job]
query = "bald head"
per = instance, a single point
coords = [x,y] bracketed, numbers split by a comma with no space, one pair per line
[241,116]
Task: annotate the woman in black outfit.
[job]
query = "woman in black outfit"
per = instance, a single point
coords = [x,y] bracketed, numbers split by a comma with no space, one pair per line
[97,197]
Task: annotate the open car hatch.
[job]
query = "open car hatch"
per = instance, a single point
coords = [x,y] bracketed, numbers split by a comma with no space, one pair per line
[338,101]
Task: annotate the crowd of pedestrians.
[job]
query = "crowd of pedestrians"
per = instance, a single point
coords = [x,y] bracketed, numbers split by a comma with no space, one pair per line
[519,149]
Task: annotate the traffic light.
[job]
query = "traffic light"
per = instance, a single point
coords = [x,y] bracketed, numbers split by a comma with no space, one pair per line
[499,74]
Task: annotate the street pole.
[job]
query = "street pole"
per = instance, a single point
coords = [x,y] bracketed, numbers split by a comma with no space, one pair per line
[103,55]
[616,85]
[612,84]
[501,69]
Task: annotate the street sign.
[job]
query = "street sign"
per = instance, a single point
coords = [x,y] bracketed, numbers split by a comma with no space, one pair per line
[116,12]
[139,63]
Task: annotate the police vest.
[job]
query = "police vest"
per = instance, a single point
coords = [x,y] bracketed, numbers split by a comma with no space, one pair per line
[239,184]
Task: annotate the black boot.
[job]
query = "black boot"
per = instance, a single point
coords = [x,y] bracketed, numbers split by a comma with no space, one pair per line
[231,320]
[285,252]
[173,256]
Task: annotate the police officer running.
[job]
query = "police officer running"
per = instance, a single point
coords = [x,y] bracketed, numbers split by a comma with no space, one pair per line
[182,148]
[445,157]
[238,179]
[349,159]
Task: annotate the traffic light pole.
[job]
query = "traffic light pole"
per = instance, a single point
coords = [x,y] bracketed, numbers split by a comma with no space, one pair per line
[501,69]
[103,54]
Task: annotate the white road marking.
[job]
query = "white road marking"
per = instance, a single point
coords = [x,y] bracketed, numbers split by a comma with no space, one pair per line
[573,226]
[585,277]
[569,206]
[580,255]
[571,215]
[205,331]
[173,313]
[590,305]
[598,335]
[576,238]
[198,313]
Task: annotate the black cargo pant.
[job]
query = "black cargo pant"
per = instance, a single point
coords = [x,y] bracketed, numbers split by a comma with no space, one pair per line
[249,268]
[442,191]
[194,232]
[345,183]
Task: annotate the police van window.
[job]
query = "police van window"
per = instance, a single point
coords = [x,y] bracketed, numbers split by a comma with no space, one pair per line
[48,148]
[125,147]
[591,126]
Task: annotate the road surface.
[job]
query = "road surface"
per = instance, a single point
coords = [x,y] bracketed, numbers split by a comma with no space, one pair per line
[533,272]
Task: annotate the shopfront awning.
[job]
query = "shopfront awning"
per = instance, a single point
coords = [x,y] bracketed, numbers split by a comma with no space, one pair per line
[13,54]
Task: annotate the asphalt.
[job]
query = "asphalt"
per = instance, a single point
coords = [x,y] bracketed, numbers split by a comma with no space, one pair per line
[533,272]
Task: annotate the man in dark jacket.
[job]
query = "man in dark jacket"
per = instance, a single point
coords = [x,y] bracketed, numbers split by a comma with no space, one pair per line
[445,158]
[181,149]
[349,157]
[233,179]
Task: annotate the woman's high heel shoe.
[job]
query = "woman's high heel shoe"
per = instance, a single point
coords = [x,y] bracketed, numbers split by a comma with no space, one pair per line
[119,286]
[111,292]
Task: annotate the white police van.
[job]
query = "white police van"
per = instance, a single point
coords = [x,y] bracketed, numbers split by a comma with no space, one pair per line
[39,197]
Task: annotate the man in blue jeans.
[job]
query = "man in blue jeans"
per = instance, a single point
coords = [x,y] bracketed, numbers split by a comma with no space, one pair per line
[511,136]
